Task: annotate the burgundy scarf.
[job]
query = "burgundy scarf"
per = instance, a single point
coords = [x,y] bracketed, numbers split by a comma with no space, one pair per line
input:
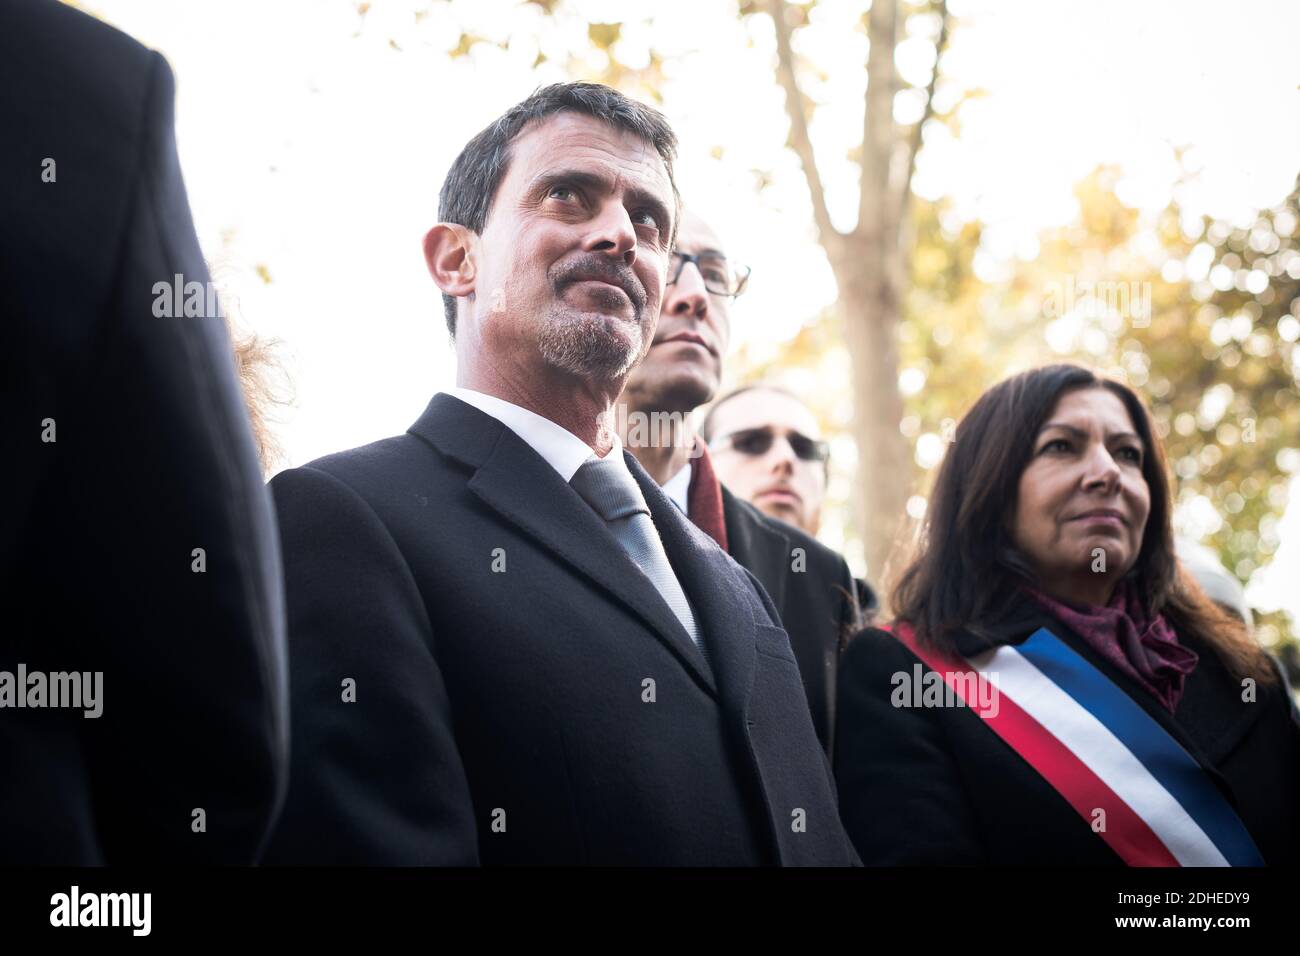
[704,498]
[1146,649]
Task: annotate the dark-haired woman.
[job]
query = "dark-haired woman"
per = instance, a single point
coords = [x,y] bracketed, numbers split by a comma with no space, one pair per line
[1054,690]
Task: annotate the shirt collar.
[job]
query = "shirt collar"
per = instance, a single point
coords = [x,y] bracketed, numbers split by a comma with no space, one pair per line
[559,447]
[678,488]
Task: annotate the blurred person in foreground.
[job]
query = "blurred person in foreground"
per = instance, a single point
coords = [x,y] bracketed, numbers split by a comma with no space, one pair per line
[139,546]
[809,583]
[1056,689]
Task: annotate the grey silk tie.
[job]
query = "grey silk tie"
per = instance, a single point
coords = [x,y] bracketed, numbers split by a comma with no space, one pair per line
[607,485]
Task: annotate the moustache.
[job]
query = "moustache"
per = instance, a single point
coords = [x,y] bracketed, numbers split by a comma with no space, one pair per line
[601,269]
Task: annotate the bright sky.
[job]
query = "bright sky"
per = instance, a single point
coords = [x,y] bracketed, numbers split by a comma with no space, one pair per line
[319,154]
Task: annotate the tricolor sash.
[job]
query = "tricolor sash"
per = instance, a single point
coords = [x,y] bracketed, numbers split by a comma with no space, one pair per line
[1099,750]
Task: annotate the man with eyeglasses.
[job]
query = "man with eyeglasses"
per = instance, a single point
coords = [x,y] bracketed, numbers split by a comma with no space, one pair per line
[810,584]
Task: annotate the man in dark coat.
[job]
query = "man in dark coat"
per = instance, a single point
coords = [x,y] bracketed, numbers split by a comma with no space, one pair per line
[507,645]
[811,586]
[139,554]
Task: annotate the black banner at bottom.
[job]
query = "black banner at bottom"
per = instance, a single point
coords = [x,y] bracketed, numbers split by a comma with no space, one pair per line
[333,905]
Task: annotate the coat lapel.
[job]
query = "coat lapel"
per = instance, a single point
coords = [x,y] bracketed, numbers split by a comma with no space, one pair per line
[1212,711]
[518,484]
[710,580]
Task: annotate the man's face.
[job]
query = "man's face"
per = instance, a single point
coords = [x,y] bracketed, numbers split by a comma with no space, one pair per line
[755,440]
[683,368]
[571,264]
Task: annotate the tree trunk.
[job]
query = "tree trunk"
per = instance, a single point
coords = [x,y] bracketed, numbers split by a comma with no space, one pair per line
[869,307]
[868,271]
[870,266]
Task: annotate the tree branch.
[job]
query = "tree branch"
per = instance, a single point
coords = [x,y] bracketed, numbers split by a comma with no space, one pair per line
[797,107]
[904,189]
[878,120]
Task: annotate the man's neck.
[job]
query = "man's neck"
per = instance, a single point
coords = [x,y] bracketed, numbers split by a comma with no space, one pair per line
[581,408]
[660,441]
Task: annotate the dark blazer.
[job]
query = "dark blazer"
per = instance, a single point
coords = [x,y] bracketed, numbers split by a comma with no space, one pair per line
[152,459]
[814,594]
[550,710]
[937,786]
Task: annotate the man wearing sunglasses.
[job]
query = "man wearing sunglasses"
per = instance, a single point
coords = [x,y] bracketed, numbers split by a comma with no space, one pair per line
[810,584]
[767,447]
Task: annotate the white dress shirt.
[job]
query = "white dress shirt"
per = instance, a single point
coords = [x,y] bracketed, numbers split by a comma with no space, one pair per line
[559,447]
[678,487]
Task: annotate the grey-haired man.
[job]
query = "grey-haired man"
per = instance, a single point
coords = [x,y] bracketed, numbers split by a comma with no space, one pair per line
[507,645]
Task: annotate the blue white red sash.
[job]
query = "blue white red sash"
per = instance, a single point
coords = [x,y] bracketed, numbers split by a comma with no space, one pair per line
[1100,750]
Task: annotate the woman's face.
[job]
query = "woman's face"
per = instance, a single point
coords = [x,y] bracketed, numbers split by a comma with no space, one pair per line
[1083,501]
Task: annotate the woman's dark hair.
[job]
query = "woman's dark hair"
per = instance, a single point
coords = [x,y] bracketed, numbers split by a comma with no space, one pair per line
[966,572]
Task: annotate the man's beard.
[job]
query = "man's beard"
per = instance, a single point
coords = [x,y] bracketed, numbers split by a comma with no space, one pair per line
[589,346]
[594,346]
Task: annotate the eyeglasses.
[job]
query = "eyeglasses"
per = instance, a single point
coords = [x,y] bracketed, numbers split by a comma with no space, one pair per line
[720,276]
[757,441]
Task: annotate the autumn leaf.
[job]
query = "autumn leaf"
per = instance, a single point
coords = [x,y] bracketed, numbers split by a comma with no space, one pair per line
[604,35]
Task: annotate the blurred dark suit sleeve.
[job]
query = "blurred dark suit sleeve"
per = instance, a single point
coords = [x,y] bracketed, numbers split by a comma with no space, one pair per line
[153,460]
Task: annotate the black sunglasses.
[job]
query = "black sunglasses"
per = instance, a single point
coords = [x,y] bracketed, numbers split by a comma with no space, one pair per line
[757,441]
